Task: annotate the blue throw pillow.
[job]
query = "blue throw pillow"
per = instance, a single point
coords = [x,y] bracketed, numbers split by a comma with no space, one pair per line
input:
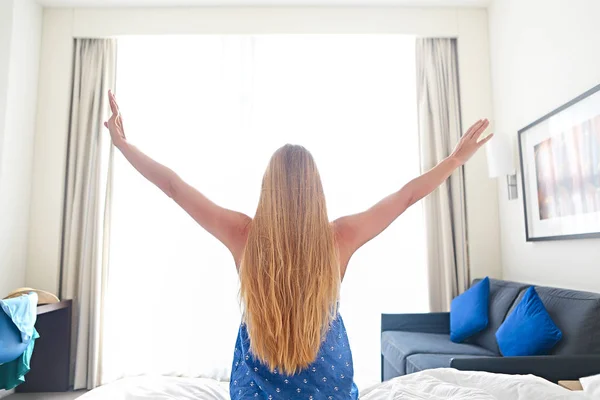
[528,330]
[469,311]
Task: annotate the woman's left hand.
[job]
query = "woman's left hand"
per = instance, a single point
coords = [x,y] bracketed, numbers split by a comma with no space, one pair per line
[469,143]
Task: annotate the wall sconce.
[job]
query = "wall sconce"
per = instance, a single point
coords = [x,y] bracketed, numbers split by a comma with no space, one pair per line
[501,162]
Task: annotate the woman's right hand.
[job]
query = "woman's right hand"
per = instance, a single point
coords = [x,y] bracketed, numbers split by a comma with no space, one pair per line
[115,123]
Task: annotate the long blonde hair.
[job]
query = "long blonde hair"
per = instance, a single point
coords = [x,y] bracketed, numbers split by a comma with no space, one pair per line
[289,273]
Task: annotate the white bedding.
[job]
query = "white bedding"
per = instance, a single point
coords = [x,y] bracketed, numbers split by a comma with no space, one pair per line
[160,388]
[466,385]
[430,385]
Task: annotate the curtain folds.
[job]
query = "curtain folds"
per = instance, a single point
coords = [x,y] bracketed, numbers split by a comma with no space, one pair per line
[439,131]
[86,216]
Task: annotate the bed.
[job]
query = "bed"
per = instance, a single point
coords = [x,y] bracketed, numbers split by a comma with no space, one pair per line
[430,384]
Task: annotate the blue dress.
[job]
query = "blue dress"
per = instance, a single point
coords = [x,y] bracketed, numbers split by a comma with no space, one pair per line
[329,377]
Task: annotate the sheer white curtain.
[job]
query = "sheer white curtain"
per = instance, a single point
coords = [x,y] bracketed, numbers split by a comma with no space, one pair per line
[214,108]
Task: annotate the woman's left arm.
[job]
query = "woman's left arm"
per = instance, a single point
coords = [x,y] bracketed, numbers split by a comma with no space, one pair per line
[353,231]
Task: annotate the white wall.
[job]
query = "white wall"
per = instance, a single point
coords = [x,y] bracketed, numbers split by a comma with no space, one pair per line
[544,53]
[476,102]
[20,38]
[62,25]
[6,22]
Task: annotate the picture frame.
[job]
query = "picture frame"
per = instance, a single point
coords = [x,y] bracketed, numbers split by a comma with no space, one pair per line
[560,171]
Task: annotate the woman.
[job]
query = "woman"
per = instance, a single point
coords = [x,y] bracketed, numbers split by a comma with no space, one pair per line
[291,260]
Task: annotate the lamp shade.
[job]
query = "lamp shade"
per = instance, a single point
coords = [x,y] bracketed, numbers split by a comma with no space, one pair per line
[500,158]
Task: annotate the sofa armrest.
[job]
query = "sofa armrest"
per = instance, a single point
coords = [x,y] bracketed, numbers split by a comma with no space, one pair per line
[425,323]
[552,368]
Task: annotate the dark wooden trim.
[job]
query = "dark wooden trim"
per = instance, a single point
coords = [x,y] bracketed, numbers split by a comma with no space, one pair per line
[53,306]
[520,133]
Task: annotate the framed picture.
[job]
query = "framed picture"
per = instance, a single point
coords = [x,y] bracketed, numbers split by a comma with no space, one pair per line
[560,171]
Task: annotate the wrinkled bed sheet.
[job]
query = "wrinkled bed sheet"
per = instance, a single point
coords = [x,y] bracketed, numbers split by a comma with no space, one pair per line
[430,384]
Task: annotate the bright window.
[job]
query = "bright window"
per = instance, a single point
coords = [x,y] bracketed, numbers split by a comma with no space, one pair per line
[214,108]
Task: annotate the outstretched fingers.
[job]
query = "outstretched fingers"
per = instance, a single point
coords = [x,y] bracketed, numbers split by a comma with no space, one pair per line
[472,128]
[113,104]
[116,113]
[478,128]
[114,107]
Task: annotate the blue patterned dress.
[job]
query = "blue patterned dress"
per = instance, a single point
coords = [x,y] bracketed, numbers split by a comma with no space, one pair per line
[330,377]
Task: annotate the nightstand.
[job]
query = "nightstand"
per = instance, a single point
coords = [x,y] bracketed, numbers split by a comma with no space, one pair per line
[50,361]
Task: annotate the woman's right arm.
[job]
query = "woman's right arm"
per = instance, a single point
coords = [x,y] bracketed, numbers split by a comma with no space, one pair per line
[230,227]
[353,231]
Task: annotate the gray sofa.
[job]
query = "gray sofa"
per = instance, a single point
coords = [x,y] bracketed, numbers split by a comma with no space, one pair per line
[415,342]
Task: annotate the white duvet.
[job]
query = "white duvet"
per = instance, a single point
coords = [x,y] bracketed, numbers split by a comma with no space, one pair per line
[160,388]
[426,385]
[467,385]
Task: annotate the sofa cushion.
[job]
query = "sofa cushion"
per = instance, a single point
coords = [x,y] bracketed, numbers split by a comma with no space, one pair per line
[528,330]
[420,362]
[576,314]
[389,371]
[469,312]
[397,345]
[502,296]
